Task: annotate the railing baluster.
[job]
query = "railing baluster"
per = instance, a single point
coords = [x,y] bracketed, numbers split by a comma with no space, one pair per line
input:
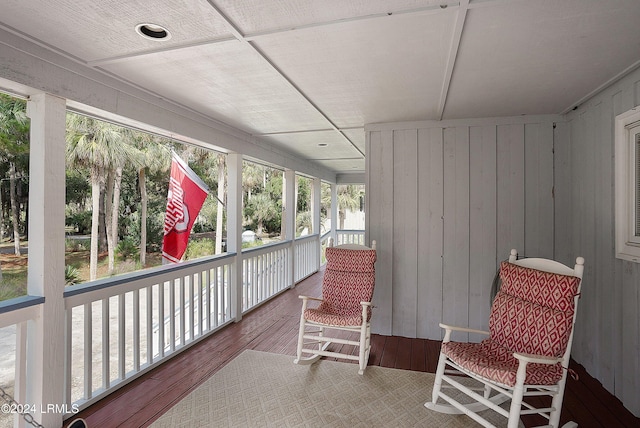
[149,325]
[161,333]
[88,338]
[136,330]
[182,315]
[121,337]
[172,315]
[106,370]
[189,308]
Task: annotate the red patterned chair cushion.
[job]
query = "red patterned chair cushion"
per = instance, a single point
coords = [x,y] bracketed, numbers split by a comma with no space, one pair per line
[533,311]
[532,314]
[496,363]
[349,279]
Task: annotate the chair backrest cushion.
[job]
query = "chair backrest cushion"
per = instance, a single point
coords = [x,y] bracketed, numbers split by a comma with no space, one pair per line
[349,279]
[533,311]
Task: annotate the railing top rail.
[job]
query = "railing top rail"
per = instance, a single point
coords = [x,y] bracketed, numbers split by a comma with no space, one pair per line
[350,231]
[20,309]
[312,237]
[325,235]
[103,283]
[267,247]
[19,303]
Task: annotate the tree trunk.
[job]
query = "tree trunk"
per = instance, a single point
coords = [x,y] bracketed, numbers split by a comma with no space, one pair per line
[143,217]
[108,219]
[220,211]
[1,216]
[14,208]
[95,222]
[112,238]
[102,228]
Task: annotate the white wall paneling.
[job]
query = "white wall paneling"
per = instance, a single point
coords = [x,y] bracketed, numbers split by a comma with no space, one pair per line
[607,339]
[449,200]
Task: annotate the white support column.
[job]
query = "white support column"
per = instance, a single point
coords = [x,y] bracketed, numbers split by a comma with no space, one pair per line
[315,205]
[334,213]
[289,218]
[234,230]
[316,201]
[46,335]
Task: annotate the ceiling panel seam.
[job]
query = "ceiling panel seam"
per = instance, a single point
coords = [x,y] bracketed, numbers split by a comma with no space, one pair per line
[236,32]
[453,54]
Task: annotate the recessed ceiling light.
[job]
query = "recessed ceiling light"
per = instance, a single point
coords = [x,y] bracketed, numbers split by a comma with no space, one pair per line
[153,31]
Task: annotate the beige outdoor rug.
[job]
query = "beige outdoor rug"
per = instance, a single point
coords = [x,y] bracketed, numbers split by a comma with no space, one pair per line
[259,389]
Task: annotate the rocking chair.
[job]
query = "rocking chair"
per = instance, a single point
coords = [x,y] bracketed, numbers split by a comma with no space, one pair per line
[528,349]
[347,290]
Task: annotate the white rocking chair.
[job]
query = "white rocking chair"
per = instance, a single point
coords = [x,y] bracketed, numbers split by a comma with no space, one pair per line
[347,290]
[528,349]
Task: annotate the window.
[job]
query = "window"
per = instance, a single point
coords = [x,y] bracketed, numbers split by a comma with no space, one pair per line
[627,184]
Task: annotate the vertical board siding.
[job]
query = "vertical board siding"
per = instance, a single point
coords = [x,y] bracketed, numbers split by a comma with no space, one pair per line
[447,203]
[607,339]
[380,209]
[455,295]
[483,255]
[538,190]
[430,220]
[405,231]
[510,190]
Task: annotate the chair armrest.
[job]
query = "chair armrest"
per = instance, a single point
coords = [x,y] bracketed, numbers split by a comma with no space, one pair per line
[450,328]
[305,301]
[539,359]
[317,299]
[365,303]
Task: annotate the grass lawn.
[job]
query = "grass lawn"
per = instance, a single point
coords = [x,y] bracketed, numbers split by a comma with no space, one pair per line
[14,269]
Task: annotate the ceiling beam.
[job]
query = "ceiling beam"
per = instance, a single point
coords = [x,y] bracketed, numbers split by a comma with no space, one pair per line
[453,54]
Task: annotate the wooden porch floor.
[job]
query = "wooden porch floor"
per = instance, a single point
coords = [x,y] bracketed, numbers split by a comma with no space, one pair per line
[273,328]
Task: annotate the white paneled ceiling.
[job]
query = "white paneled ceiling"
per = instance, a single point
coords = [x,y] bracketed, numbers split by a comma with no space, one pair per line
[305,76]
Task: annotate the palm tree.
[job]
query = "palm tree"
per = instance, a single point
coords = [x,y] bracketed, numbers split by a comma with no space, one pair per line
[156,158]
[348,199]
[262,208]
[93,144]
[14,143]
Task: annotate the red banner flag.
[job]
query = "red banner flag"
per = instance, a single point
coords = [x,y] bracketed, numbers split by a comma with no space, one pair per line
[187,193]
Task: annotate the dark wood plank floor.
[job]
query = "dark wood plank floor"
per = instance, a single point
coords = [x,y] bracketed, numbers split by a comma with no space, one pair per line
[273,328]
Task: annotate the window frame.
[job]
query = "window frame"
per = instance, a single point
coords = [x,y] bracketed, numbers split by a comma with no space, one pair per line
[627,185]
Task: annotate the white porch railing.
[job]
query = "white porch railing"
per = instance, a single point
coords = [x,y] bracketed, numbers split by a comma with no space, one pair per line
[350,237]
[307,256]
[14,316]
[265,273]
[118,328]
[121,327]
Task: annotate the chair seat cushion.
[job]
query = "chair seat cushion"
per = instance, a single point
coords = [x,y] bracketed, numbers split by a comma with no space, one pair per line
[324,315]
[493,362]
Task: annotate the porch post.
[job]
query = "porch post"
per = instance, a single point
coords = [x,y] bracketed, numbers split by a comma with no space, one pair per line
[234,230]
[289,219]
[334,213]
[315,215]
[46,335]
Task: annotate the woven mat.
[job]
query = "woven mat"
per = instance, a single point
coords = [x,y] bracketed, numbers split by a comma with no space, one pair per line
[259,389]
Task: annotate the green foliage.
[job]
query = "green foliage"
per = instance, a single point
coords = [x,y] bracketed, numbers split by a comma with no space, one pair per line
[71,275]
[13,285]
[127,249]
[77,188]
[73,245]
[199,248]
[80,222]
